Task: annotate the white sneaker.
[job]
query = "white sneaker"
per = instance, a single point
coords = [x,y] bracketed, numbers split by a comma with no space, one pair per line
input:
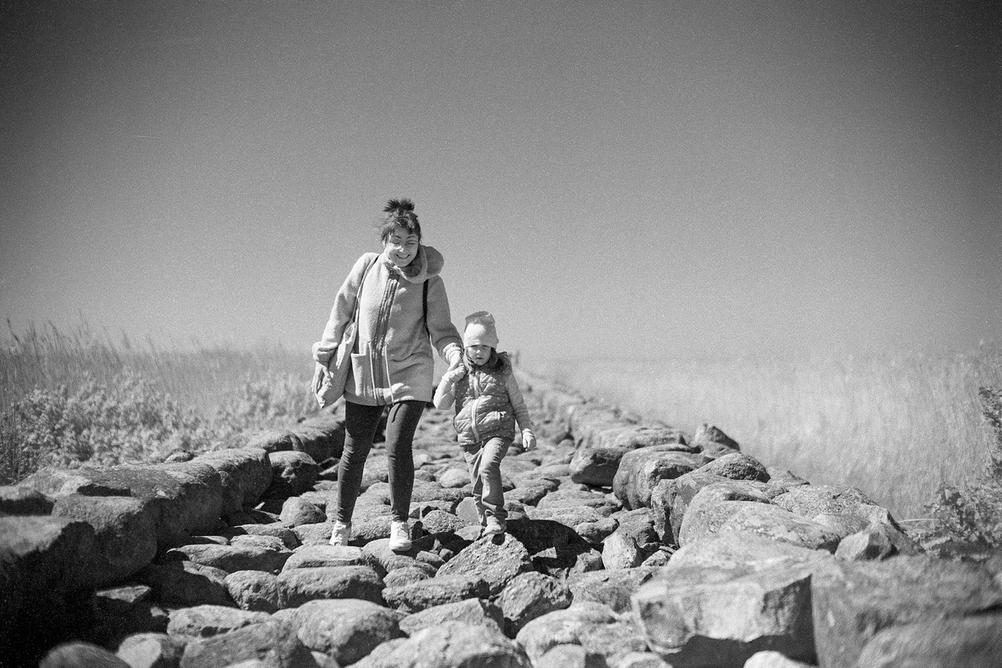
[400,536]
[341,533]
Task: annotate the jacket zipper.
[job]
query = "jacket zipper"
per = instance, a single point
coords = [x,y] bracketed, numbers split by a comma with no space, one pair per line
[378,335]
[475,386]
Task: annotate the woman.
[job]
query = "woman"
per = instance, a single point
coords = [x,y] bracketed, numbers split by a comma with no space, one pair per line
[401,305]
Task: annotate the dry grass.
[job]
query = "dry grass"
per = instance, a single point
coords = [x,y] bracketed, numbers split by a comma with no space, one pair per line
[68,398]
[896,426]
[202,376]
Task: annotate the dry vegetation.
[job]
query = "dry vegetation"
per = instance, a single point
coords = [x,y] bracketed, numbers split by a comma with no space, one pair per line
[68,398]
[909,430]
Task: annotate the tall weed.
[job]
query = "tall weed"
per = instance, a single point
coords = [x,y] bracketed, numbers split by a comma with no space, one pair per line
[972,510]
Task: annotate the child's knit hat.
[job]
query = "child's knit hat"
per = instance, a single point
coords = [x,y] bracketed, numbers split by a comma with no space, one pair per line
[480,330]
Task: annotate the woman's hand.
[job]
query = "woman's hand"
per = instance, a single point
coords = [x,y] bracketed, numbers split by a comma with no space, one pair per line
[319,373]
[453,375]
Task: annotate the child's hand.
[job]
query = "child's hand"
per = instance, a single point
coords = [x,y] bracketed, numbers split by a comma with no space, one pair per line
[453,375]
[528,440]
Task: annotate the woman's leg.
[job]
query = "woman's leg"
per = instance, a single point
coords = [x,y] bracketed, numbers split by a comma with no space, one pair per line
[359,428]
[491,455]
[401,423]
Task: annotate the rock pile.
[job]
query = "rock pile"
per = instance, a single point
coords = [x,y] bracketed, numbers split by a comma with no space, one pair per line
[630,545]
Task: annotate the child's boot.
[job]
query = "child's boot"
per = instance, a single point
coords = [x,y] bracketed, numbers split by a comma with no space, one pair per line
[494,526]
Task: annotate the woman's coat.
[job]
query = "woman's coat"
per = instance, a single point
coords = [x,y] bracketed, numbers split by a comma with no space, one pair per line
[392,359]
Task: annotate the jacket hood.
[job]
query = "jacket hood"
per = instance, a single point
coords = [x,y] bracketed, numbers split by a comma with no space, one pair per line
[428,263]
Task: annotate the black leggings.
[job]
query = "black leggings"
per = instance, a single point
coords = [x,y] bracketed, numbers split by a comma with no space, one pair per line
[360,423]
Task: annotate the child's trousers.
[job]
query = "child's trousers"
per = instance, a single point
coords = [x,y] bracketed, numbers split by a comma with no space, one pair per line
[484,462]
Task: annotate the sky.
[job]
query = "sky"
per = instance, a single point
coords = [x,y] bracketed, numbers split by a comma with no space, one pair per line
[608,178]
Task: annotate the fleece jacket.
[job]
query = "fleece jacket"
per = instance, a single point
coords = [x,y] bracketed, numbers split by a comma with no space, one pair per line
[392,358]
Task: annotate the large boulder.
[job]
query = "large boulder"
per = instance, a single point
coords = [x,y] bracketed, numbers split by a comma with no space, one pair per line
[713,441]
[435,591]
[297,511]
[271,643]
[593,626]
[737,466]
[300,585]
[670,498]
[848,507]
[126,609]
[43,553]
[182,498]
[202,621]
[23,500]
[325,554]
[720,601]
[939,643]
[151,650]
[641,469]
[451,645]
[244,474]
[239,556]
[47,566]
[292,473]
[346,629]
[495,561]
[469,611]
[614,588]
[125,532]
[632,542]
[81,654]
[854,601]
[321,437]
[254,590]
[531,595]
[596,463]
[755,518]
[602,503]
[186,583]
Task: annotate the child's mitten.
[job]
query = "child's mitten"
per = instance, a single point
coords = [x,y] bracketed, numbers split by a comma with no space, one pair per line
[528,440]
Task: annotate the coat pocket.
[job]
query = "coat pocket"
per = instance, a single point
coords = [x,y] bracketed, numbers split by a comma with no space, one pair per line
[361,371]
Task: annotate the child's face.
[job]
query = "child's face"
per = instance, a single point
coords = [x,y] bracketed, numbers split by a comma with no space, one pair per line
[478,354]
[401,246]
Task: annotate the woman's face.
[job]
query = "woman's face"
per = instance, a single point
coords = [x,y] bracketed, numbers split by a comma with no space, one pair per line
[401,246]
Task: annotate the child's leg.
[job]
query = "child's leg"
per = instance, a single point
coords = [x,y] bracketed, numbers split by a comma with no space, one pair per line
[491,455]
[472,453]
[359,427]
[401,423]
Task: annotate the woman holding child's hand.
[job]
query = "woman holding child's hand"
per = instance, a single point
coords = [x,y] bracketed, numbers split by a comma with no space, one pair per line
[403,311]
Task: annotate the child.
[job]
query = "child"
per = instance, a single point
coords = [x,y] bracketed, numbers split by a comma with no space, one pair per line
[488,404]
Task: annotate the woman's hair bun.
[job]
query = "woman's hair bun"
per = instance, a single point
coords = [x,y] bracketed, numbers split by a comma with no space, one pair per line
[399,206]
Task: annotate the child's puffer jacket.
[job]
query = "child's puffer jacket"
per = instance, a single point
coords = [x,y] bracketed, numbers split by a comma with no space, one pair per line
[483,409]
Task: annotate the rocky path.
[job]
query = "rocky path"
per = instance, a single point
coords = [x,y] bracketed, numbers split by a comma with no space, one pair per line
[629,545]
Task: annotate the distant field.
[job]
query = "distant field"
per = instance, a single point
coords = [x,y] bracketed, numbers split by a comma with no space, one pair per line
[896,426]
